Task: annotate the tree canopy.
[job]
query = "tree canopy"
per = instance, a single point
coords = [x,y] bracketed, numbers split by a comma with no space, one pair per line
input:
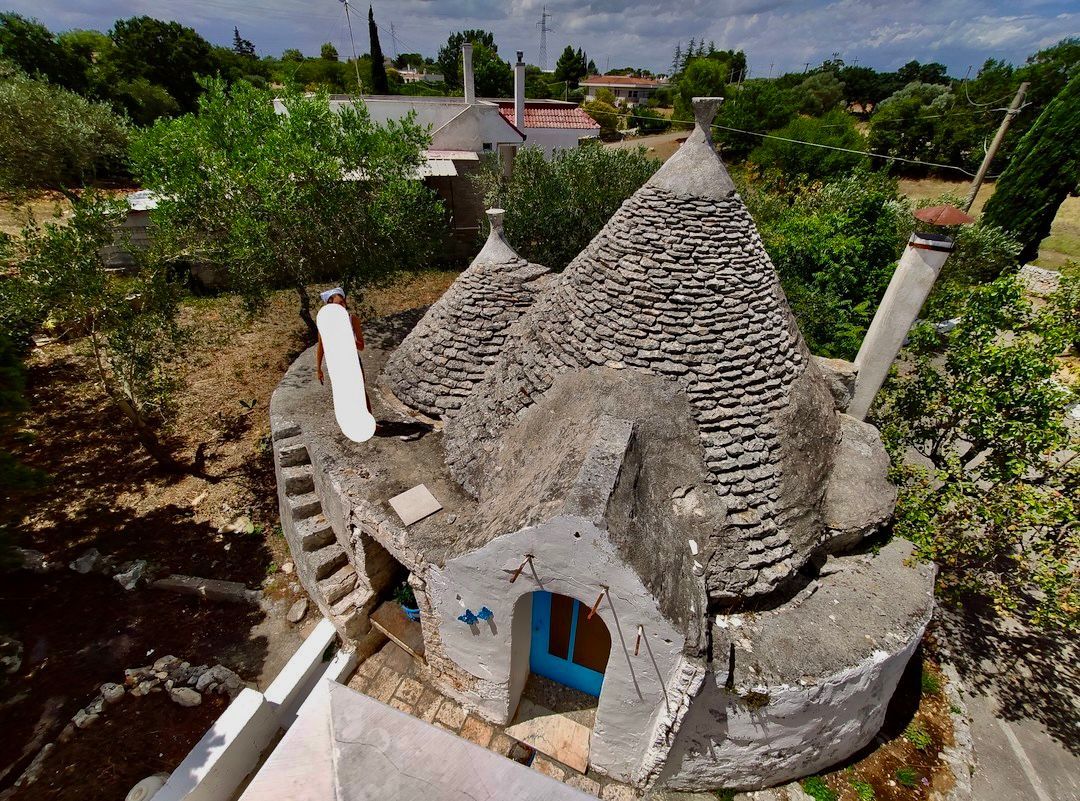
[283,199]
[449,58]
[574,194]
[52,138]
[1044,171]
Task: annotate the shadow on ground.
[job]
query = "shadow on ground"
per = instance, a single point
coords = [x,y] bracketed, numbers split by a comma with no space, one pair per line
[1031,674]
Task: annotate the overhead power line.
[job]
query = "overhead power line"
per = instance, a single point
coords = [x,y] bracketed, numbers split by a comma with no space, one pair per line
[825,147]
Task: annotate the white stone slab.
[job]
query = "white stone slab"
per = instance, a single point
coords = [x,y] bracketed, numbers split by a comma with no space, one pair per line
[415,504]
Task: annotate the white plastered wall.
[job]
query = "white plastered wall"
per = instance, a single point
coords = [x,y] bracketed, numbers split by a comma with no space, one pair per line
[548,139]
[571,557]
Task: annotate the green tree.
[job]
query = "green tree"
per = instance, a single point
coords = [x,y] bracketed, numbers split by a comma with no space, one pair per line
[1043,172]
[56,276]
[492,77]
[51,138]
[834,246]
[164,53]
[756,105]
[145,101]
[31,47]
[379,84]
[571,66]
[574,193]
[820,93]
[285,199]
[701,77]
[834,130]
[242,46]
[328,52]
[292,54]
[607,115]
[906,122]
[996,505]
[605,95]
[449,58]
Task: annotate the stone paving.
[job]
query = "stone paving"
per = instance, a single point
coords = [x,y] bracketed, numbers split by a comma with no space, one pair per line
[394,677]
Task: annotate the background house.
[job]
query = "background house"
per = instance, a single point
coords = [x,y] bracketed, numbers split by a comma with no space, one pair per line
[626,88]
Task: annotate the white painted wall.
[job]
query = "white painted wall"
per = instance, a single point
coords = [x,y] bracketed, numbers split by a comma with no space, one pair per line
[800,731]
[571,557]
[562,138]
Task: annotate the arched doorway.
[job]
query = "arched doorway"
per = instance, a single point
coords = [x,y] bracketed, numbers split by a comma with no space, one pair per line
[566,644]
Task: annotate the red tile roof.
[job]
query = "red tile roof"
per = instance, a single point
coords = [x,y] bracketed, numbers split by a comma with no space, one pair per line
[553,116]
[619,80]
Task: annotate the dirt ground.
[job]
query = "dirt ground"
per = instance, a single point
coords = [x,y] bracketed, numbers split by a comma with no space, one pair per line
[104,492]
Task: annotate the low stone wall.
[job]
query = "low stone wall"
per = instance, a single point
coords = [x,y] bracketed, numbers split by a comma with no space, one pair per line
[792,691]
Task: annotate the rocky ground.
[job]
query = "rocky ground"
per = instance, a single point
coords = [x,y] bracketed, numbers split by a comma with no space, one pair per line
[90,594]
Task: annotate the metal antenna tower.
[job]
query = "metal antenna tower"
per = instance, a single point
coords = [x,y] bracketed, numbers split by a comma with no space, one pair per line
[393,39]
[542,26]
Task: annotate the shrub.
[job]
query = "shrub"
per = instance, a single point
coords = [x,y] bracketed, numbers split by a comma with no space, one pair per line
[834,130]
[52,138]
[931,684]
[917,735]
[555,207]
[817,789]
[863,789]
[907,776]
[605,114]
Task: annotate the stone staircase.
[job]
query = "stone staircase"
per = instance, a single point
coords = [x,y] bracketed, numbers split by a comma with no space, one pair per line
[322,564]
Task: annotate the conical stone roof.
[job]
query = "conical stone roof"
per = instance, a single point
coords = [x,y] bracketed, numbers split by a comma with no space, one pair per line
[463,333]
[678,284]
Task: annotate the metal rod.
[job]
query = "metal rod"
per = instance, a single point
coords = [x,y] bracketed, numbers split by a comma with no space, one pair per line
[514,577]
[637,643]
[599,598]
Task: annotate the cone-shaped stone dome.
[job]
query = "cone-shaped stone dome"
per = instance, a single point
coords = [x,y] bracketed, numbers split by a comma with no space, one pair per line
[463,333]
[678,284]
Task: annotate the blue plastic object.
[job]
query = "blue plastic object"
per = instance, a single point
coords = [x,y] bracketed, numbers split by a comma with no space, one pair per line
[468,618]
[485,614]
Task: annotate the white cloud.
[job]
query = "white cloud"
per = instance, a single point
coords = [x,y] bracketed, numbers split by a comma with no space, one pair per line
[783,33]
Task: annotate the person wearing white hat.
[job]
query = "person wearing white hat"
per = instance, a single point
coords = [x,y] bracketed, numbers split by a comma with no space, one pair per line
[337,295]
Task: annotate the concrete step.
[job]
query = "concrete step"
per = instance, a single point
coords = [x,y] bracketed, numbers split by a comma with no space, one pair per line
[338,585]
[293,452]
[283,430]
[298,480]
[345,604]
[326,560]
[305,506]
[357,622]
[314,532]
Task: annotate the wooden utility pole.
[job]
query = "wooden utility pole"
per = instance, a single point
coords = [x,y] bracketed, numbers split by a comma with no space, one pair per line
[1014,109]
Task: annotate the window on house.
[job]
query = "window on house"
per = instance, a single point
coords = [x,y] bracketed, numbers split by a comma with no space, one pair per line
[487,145]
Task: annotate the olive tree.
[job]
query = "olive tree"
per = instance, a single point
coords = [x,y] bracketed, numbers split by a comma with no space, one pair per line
[991,492]
[51,138]
[56,278]
[283,199]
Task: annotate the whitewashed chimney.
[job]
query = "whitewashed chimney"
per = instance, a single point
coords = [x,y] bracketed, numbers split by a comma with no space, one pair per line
[519,92]
[466,65]
[915,275]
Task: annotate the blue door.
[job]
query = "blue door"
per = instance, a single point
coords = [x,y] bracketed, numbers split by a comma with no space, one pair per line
[567,646]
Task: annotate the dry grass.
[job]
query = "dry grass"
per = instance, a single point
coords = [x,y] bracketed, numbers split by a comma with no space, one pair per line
[1059,251]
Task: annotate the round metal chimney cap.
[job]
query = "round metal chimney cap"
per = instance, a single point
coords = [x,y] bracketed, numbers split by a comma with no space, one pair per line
[943,215]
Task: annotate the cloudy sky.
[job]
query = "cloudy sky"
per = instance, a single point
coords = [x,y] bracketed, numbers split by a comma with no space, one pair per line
[777,35]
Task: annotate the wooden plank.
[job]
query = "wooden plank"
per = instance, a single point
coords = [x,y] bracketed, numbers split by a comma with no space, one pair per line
[552,734]
[391,621]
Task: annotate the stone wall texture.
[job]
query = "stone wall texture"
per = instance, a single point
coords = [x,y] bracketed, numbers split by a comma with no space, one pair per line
[682,287]
[463,333]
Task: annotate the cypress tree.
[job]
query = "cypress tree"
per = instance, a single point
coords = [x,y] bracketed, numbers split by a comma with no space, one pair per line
[379,84]
[1043,171]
